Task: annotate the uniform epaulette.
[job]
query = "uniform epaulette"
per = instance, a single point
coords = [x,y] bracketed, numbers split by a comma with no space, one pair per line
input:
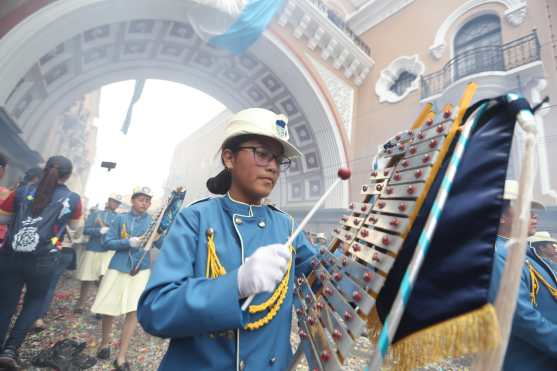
[199,201]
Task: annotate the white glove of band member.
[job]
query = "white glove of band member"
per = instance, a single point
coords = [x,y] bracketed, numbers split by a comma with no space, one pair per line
[263,270]
[135,241]
[104,230]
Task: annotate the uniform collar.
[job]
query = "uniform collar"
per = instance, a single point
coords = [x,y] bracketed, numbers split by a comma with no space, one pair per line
[241,208]
[137,216]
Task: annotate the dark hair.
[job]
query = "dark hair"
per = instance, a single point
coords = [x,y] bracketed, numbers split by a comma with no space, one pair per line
[220,184]
[3,160]
[56,168]
[34,172]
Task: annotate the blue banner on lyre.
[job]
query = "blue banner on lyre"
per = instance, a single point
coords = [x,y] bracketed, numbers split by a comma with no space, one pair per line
[252,22]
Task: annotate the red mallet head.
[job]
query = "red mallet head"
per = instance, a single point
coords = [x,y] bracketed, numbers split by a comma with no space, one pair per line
[344,173]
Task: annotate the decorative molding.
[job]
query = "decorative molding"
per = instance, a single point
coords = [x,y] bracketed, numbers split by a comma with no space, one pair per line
[389,75]
[306,20]
[341,92]
[515,14]
[375,12]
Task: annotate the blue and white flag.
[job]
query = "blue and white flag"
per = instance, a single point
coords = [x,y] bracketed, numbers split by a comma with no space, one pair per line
[233,25]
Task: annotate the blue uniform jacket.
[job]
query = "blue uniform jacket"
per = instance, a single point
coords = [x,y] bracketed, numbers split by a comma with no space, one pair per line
[93,226]
[533,340]
[202,316]
[123,227]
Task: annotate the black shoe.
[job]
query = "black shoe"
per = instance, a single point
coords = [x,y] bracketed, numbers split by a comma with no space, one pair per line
[8,359]
[104,353]
[123,367]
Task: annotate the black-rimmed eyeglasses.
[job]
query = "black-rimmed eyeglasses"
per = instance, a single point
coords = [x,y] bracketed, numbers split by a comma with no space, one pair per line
[263,157]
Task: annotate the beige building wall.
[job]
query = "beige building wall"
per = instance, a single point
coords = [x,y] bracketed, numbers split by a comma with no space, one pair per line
[412,31]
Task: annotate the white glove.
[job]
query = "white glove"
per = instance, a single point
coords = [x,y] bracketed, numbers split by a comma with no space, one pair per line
[104,230]
[135,241]
[263,270]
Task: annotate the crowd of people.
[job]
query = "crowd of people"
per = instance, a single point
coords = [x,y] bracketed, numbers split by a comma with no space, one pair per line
[41,219]
[219,252]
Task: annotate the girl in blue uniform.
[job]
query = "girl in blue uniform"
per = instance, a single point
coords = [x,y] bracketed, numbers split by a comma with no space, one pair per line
[94,262]
[220,251]
[120,288]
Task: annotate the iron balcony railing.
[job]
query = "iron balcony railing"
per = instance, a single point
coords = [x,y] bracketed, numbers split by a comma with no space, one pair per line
[503,57]
[341,25]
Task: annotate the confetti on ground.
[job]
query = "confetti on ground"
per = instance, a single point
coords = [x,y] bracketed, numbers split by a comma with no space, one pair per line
[145,351]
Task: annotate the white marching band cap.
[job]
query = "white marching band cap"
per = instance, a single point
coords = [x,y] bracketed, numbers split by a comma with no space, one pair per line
[115,197]
[511,194]
[142,191]
[261,121]
[542,237]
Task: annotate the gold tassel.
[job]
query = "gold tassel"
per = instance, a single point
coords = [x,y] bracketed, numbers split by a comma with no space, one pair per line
[473,332]
[214,267]
[124,232]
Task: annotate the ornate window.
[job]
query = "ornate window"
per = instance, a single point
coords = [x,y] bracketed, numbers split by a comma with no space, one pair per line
[399,79]
[477,46]
[403,82]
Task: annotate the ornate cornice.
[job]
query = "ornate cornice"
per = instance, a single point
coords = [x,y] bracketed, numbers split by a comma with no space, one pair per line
[306,20]
[374,12]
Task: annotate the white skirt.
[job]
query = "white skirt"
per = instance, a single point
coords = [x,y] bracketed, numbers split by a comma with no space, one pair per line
[119,292]
[106,258]
[92,265]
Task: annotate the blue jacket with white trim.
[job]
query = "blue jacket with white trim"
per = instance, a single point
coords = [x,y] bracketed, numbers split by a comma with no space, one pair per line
[533,340]
[123,227]
[93,226]
[202,316]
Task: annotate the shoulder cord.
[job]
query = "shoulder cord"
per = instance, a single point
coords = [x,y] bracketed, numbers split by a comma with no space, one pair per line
[215,269]
[536,277]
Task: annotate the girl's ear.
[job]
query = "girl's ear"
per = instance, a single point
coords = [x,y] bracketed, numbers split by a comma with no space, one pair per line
[228,159]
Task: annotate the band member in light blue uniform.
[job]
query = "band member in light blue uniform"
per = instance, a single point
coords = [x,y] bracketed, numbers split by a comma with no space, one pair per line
[221,250]
[120,288]
[93,264]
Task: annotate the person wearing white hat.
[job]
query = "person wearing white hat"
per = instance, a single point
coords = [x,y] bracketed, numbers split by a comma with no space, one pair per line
[122,285]
[93,263]
[545,246]
[222,250]
[533,339]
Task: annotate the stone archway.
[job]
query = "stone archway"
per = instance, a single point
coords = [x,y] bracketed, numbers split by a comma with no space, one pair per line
[69,48]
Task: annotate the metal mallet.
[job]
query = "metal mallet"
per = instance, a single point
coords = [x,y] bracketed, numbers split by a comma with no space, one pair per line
[343,174]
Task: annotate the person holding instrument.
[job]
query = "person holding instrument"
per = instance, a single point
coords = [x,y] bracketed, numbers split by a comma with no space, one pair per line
[120,289]
[95,260]
[223,250]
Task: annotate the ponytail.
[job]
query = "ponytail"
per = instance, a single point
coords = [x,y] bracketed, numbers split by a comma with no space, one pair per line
[220,184]
[56,169]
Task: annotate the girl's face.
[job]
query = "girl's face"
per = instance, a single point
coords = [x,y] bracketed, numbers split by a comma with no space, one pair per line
[141,203]
[255,169]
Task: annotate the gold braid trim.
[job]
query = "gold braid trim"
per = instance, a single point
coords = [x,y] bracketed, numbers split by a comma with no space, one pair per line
[214,267]
[473,332]
[280,293]
[256,308]
[536,277]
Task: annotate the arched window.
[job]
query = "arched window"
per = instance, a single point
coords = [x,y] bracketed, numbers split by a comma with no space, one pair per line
[403,82]
[477,46]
